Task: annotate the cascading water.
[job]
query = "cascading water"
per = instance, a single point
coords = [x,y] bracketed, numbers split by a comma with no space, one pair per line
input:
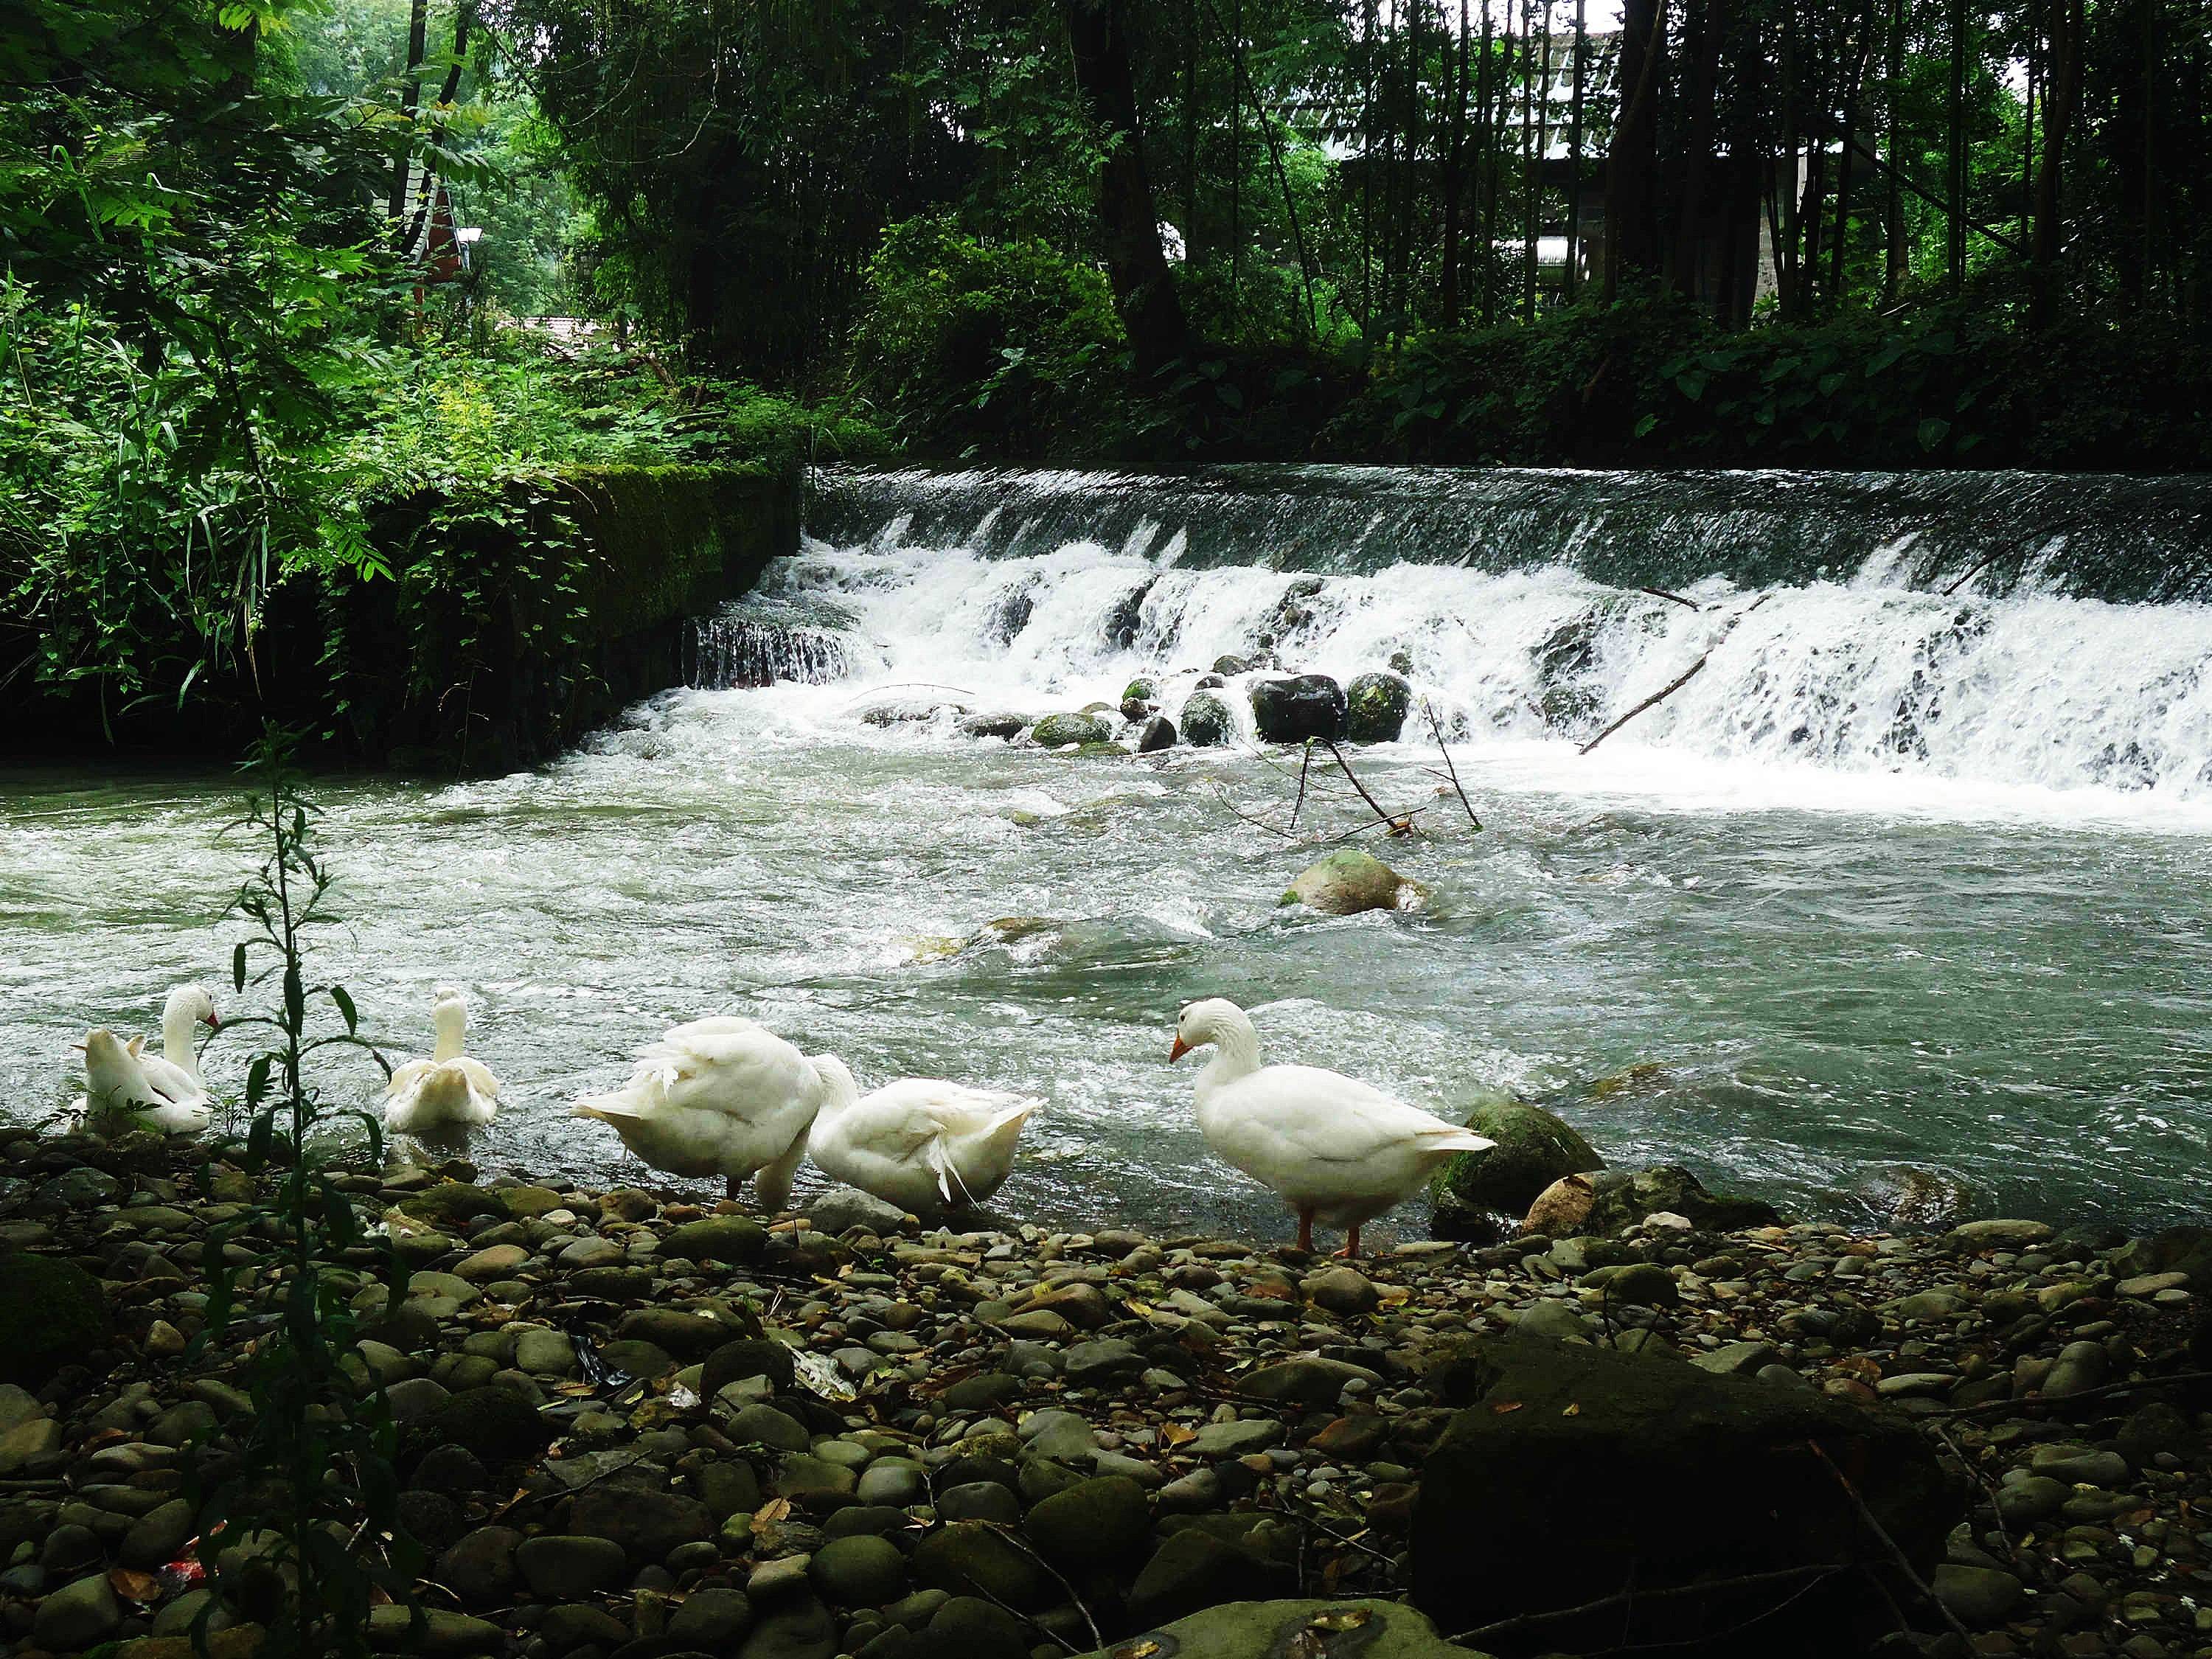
[1861,673]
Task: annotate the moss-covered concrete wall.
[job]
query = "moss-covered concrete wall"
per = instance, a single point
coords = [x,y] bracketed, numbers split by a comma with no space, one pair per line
[513,625]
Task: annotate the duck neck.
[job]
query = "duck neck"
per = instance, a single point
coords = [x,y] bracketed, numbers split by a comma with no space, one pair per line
[177,1036]
[1236,1053]
[838,1088]
[453,1023]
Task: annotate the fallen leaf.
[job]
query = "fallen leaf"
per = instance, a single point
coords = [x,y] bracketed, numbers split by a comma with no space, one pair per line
[134,1586]
[1176,1435]
[1574,1409]
[1503,1406]
[1339,1619]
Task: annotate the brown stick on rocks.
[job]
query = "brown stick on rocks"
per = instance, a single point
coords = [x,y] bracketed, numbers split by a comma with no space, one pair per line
[1687,675]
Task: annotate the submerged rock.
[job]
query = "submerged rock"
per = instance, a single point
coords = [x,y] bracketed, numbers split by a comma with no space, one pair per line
[1001,724]
[910,711]
[1294,709]
[1206,722]
[1534,1150]
[1375,708]
[1229,667]
[1056,730]
[1158,733]
[1349,881]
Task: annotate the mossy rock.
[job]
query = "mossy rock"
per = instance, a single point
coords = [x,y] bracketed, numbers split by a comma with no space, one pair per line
[1349,881]
[526,1203]
[1058,731]
[1206,722]
[52,1312]
[1298,708]
[1534,1150]
[1607,1201]
[752,1356]
[1143,689]
[452,1203]
[1376,707]
[1099,751]
[718,1238]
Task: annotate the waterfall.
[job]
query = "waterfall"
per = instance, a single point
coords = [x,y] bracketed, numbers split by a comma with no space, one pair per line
[2099,536]
[760,639]
[1056,588]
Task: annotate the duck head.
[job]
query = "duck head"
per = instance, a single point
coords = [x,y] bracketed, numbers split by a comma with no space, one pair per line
[1208,1021]
[449,1018]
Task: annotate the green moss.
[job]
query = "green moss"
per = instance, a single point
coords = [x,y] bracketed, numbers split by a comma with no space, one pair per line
[51,1313]
[1055,731]
[1376,706]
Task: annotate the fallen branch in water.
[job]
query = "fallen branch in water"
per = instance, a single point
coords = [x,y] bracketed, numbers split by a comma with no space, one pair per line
[1400,824]
[1436,730]
[1975,570]
[1662,593]
[1686,676]
[2173,1379]
[1305,760]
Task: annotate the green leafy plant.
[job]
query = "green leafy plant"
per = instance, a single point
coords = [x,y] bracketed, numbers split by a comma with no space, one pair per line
[302,1531]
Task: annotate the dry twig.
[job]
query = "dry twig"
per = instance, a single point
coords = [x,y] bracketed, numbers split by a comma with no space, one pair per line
[1897,1554]
[1435,729]
[1686,676]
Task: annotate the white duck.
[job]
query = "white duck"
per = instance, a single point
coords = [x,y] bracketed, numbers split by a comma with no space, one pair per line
[1335,1149]
[175,1072]
[723,1096]
[925,1145]
[449,1091]
[118,1094]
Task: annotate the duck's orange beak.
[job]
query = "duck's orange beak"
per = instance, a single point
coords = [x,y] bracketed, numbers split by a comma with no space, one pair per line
[213,1024]
[1180,1049]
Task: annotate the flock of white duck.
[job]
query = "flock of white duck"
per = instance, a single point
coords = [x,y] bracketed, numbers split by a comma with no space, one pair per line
[727,1096]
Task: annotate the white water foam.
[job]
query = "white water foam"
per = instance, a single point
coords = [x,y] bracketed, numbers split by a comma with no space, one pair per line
[1856,696]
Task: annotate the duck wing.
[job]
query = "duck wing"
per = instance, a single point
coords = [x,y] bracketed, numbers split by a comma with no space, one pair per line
[1325,1117]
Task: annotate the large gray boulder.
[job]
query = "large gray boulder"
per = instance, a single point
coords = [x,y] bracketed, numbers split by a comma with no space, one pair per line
[1534,1149]
[1057,731]
[1627,1472]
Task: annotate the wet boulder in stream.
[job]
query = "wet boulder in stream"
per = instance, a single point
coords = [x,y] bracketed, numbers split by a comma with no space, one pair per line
[1534,1149]
[1158,733]
[1295,709]
[1349,881]
[1375,708]
[1206,722]
[1057,731]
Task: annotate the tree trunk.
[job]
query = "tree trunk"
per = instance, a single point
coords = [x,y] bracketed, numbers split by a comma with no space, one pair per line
[1893,208]
[1455,166]
[410,95]
[2063,57]
[1631,225]
[1492,119]
[1575,154]
[1704,26]
[1955,191]
[1136,265]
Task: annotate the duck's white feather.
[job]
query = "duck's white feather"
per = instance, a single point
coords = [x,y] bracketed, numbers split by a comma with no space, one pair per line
[923,1143]
[1331,1146]
[723,1096]
[119,1096]
[448,1090]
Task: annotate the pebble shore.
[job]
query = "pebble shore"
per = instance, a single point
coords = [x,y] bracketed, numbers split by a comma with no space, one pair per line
[641,1426]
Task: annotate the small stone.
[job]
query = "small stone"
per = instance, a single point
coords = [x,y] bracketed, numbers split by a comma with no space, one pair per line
[2082,1365]
[78,1615]
[1094,1522]
[1342,1291]
[557,1566]
[727,1238]
[859,1572]
[1976,1597]
[1236,1439]
[162,1341]
[2001,1235]
[481,1568]
[2079,1465]
[711,1618]
[978,1500]
[800,1628]
[156,1536]
[1306,1381]
[1092,1363]
[894,1481]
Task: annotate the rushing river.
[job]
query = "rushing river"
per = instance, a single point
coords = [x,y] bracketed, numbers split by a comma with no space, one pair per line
[1899,879]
